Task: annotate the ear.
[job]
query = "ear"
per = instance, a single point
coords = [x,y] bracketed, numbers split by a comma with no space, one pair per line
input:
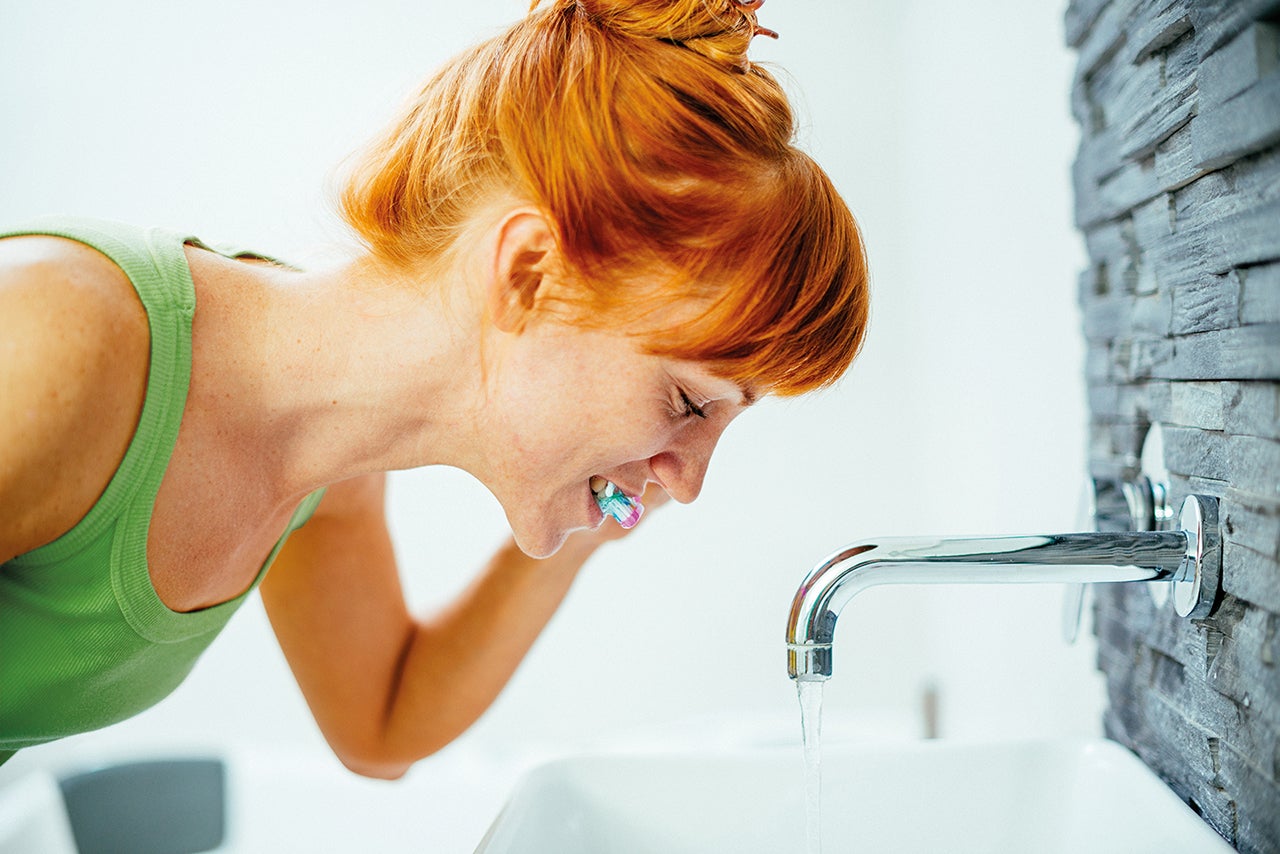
[524,244]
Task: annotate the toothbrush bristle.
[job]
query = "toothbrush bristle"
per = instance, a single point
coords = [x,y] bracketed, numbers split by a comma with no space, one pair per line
[634,511]
[625,510]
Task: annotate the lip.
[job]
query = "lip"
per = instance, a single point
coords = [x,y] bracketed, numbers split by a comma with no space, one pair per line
[598,516]
[630,492]
[633,494]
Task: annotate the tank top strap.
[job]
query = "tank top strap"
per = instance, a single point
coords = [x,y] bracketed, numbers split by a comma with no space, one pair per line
[154,262]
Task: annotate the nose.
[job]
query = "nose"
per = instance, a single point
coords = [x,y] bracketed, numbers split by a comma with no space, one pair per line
[682,465]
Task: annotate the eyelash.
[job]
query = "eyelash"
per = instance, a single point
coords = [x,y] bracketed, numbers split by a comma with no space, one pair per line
[690,408]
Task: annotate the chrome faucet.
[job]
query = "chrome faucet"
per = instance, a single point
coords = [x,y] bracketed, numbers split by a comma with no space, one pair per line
[1188,558]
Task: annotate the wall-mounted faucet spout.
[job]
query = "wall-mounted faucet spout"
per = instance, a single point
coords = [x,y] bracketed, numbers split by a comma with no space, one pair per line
[1188,558]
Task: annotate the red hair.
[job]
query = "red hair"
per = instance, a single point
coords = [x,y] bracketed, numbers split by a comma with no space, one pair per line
[653,146]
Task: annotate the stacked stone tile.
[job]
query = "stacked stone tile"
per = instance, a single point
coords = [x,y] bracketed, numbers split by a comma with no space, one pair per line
[1177,186]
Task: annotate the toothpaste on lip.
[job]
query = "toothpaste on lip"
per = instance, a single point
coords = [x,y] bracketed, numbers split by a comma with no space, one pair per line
[616,503]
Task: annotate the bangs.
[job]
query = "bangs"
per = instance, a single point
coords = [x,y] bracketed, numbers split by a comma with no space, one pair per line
[787,298]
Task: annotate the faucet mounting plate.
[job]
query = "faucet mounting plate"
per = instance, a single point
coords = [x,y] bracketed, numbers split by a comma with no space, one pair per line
[1196,585]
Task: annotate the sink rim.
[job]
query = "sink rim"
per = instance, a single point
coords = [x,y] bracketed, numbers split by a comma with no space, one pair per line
[1073,759]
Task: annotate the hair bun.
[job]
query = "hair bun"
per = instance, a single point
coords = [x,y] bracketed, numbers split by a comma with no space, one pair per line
[721,30]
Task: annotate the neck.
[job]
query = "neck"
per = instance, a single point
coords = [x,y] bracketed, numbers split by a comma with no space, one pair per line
[326,375]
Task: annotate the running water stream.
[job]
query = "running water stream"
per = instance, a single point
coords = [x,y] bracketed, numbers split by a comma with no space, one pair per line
[810,693]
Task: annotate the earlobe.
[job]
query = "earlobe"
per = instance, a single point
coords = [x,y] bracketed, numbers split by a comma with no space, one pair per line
[524,244]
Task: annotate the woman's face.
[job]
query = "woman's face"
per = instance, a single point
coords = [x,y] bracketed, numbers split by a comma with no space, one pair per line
[571,403]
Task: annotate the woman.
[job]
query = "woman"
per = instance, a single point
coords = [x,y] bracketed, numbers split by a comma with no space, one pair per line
[588,246]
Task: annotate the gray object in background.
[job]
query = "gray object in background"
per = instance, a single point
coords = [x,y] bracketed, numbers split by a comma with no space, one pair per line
[163,807]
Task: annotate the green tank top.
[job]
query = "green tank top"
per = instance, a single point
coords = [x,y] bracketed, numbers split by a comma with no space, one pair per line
[85,641]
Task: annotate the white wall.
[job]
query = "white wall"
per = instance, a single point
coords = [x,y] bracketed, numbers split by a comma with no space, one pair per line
[946,127]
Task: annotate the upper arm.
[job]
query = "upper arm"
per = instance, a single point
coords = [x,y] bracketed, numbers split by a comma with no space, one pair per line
[73,361]
[335,602]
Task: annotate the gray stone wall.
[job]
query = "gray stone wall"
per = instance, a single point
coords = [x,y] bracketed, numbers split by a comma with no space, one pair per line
[1178,195]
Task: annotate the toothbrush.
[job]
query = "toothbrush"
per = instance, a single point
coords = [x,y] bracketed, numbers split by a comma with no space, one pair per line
[616,503]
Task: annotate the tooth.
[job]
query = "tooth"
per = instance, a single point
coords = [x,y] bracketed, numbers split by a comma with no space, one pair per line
[598,483]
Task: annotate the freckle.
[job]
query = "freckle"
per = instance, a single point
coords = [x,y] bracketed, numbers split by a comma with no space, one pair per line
[333,403]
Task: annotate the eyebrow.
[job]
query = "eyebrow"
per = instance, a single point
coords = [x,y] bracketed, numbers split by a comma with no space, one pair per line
[748,396]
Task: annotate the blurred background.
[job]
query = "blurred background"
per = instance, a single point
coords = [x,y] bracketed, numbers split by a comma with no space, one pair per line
[946,127]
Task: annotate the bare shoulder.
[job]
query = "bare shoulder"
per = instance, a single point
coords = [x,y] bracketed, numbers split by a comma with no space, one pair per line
[74,344]
[350,515]
[362,497]
[345,543]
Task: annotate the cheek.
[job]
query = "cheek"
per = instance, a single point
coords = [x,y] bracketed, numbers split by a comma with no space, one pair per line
[570,412]
[548,456]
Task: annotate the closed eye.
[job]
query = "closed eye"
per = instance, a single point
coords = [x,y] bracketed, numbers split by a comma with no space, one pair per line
[691,408]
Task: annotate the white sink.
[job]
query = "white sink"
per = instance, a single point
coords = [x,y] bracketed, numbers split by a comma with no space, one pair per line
[1043,796]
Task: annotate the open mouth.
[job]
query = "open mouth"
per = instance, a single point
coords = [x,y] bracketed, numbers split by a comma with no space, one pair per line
[612,501]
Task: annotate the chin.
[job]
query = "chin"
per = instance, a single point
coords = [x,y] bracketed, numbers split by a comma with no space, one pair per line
[539,544]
